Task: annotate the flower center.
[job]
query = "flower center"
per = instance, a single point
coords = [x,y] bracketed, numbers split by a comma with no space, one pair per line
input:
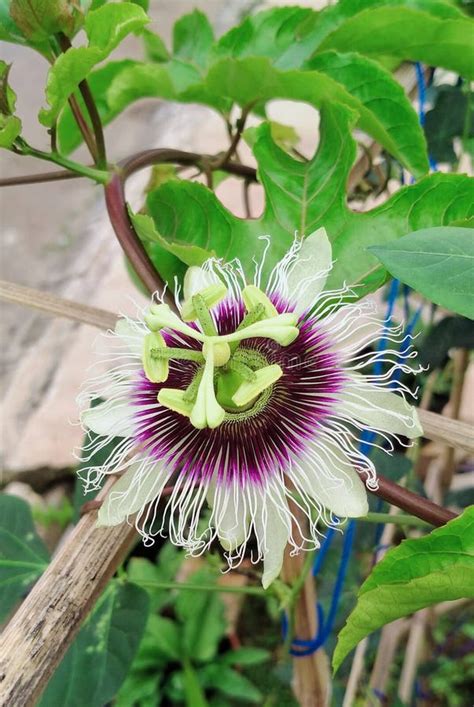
[231,381]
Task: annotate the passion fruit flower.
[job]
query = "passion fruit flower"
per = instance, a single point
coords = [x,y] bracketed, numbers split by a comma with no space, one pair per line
[248,402]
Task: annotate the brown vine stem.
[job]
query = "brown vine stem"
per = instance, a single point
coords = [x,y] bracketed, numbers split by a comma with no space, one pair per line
[240,125]
[55,176]
[118,213]
[127,237]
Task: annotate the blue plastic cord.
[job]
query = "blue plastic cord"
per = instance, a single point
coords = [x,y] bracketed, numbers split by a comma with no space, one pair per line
[302,648]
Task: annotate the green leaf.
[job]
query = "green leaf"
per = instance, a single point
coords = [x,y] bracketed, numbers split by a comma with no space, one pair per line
[68,134]
[99,659]
[282,34]
[438,262]
[23,556]
[192,688]
[10,32]
[40,19]
[161,643]
[193,38]
[245,656]
[449,333]
[202,616]
[105,29]
[10,125]
[139,690]
[446,120]
[416,574]
[10,129]
[407,34]
[167,565]
[230,683]
[301,197]
[155,48]
[290,35]
[187,253]
[382,108]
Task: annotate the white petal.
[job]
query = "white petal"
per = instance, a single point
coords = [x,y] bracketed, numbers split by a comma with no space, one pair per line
[380,409]
[128,331]
[308,275]
[333,482]
[110,418]
[195,280]
[272,533]
[131,492]
[229,515]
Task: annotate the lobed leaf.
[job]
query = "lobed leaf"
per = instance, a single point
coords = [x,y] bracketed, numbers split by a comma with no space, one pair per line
[23,555]
[438,262]
[301,197]
[416,574]
[382,108]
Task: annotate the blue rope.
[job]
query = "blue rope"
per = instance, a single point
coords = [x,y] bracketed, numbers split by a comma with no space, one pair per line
[302,648]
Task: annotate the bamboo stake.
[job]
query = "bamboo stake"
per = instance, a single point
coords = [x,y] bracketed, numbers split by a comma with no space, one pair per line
[38,635]
[311,673]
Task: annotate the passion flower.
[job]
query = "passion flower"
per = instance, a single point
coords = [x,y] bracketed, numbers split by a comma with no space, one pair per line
[247,402]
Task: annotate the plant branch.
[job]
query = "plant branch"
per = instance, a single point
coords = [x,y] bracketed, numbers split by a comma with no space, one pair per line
[148,158]
[240,125]
[127,237]
[83,127]
[55,176]
[99,143]
[412,503]
[98,175]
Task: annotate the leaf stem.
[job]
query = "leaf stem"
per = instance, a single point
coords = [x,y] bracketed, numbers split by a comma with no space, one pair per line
[98,175]
[395,519]
[252,591]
